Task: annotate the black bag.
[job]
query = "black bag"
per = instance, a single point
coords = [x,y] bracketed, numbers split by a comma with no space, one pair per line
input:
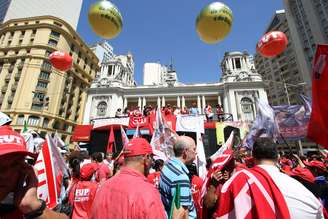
[66,207]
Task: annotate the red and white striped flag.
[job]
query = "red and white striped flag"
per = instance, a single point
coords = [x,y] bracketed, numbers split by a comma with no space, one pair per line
[51,168]
[251,193]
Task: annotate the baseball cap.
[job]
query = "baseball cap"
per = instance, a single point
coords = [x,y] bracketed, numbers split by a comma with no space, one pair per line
[303,173]
[137,146]
[87,171]
[12,142]
[4,119]
[318,164]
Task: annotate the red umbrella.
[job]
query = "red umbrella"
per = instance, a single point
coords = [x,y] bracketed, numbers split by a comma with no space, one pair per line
[272,44]
[61,60]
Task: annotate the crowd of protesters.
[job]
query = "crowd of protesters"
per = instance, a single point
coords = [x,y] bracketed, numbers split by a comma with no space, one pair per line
[239,184]
[210,114]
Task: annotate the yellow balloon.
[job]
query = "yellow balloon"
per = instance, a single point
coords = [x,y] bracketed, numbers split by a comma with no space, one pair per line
[214,22]
[105,19]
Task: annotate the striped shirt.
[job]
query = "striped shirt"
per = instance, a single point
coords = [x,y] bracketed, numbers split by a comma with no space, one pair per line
[175,172]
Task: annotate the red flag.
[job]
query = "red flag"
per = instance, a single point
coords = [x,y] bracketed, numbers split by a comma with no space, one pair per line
[318,125]
[111,140]
[50,168]
[251,193]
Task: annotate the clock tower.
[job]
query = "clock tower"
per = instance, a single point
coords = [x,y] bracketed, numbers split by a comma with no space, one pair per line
[237,66]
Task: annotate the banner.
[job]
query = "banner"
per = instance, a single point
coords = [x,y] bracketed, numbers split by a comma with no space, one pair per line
[263,125]
[318,125]
[124,121]
[50,169]
[190,123]
[136,120]
[242,126]
[292,121]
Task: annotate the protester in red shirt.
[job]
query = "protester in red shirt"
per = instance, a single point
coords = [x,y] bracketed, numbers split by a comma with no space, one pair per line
[18,182]
[196,187]
[103,172]
[129,195]
[153,178]
[83,192]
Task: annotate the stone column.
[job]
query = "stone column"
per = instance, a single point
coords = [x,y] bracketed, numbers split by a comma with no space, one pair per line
[158,102]
[183,104]
[144,102]
[178,101]
[199,104]
[203,104]
[219,99]
[125,103]
[163,101]
[139,103]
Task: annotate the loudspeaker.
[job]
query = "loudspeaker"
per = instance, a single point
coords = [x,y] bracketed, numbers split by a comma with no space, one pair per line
[209,141]
[99,141]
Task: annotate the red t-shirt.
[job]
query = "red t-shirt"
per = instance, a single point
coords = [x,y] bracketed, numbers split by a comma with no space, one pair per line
[153,178]
[196,187]
[128,195]
[81,197]
[103,172]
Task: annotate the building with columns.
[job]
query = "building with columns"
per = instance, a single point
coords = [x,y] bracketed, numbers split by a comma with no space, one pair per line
[238,91]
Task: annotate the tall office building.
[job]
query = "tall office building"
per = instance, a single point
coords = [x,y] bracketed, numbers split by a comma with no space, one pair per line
[157,74]
[282,74]
[67,10]
[30,88]
[308,24]
[4,4]
[104,51]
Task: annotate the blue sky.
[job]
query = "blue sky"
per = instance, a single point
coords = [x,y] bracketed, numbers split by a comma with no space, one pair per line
[156,30]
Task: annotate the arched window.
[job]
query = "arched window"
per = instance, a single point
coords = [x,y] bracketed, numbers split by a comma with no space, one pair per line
[247,108]
[33,121]
[102,108]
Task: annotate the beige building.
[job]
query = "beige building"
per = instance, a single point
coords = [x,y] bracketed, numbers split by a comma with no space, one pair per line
[282,74]
[308,24]
[30,88]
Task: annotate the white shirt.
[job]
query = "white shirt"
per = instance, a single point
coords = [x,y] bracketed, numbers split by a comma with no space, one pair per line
[300,201]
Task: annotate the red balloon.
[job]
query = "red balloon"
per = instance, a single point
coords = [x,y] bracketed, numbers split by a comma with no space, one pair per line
[61,60]
[272,44]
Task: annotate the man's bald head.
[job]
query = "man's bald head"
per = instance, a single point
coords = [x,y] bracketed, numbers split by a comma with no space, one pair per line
[182,143]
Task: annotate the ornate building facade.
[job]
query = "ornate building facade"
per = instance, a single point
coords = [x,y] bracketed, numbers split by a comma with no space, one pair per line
[238,91]
[31,89]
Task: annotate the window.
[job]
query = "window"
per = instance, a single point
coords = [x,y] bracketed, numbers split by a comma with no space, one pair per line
[44,75]
[39,96]
[20,42]
[55,34]
[47,53]
[238,64]
[52,42]
[247,109]
[33,121]
[20,120]
[46,66]
[41,84]
[101,109]
[45,123]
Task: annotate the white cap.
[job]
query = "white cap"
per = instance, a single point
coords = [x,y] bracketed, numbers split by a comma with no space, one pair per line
[4,119]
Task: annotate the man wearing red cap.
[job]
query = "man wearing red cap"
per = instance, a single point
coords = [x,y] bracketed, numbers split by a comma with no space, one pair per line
[18,182]
[129,195]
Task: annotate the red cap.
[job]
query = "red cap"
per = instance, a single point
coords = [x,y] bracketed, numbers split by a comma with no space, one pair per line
[87,170]
[318,164]
[303,173]
[287,170]
[12,142]
[137,146]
